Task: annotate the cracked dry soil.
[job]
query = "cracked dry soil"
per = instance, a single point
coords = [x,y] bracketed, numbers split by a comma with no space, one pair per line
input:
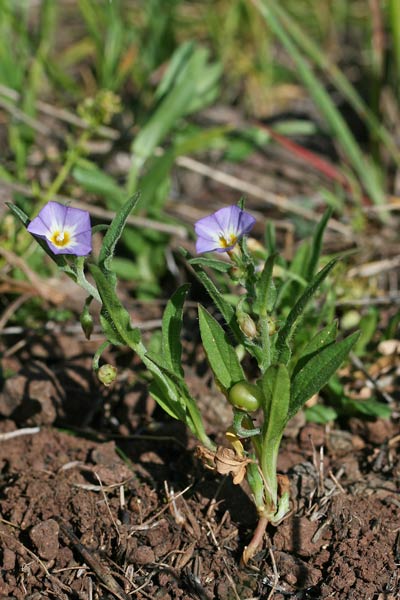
[108,501]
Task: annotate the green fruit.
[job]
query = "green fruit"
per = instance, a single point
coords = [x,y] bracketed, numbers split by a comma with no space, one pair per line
[245,396]
[107,374]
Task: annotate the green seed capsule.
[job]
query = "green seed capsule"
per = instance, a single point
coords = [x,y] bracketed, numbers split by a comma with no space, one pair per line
[107,374]
[245,396]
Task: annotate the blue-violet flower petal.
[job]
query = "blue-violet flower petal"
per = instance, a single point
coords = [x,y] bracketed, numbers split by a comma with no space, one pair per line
[220,231]
[66,230]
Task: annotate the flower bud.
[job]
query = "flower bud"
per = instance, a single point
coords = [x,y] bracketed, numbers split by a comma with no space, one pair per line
[247,325]
[107,374]
[272,326]
[236,273]
[86,322]
[245,396]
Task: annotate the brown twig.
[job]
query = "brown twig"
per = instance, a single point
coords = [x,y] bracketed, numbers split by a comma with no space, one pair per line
[277,200]
[102,573]
[97,211]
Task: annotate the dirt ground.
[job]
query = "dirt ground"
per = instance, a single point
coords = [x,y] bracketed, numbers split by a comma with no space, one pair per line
[102,497]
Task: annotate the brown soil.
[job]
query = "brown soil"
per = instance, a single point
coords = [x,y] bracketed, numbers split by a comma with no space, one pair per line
[106,500]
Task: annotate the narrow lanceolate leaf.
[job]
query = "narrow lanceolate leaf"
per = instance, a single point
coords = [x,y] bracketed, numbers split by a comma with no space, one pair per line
[112,236]
[18,212]
[265,291]
[223,306]
[220,354]
[213,263]
[115,319]
[282,348]
[316,244]
[165,394]
[323,338]
[226,309]
[96,181]
[275,384]
[171,330]
[317,371]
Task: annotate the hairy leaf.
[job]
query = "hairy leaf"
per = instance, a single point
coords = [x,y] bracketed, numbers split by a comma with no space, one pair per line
[112,236]
[220,354]
[282,348]
[317,371]
[171,330]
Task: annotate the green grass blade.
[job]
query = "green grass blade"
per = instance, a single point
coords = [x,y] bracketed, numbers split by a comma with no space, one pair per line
[337,77]
[316,244]
[333,118]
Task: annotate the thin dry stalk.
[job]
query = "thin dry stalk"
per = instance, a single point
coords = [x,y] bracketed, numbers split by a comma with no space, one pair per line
[277,200]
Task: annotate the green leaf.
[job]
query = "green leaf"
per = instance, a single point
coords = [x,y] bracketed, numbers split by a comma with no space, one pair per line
[320,414]
[282,349]
[323,338]
[226,309]
[171,392]
[213,263]
[220,354]
[322,61]
[112,236]
[317,371]
[171,330]
[275,384]
[187,89]
[366,408]
[316,244]
[95,181]
[19,213]
[114,318]
[368,326]
[166,395]
[265,289]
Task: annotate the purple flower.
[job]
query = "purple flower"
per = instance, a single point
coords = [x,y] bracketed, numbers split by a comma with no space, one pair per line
[220,231]
[66,230]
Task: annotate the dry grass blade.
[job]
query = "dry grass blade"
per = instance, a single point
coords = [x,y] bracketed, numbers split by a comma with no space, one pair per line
[97,211]
[42,288]
[9,435]
[277,200]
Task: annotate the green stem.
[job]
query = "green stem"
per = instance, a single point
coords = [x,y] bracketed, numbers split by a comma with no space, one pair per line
[197,426]
[256,540]
[248,430]
[266,344]
[84,283]
[269,460]
[97,355]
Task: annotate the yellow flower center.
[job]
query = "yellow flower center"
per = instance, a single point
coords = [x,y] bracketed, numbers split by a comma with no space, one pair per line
[60,238]
[227,242]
